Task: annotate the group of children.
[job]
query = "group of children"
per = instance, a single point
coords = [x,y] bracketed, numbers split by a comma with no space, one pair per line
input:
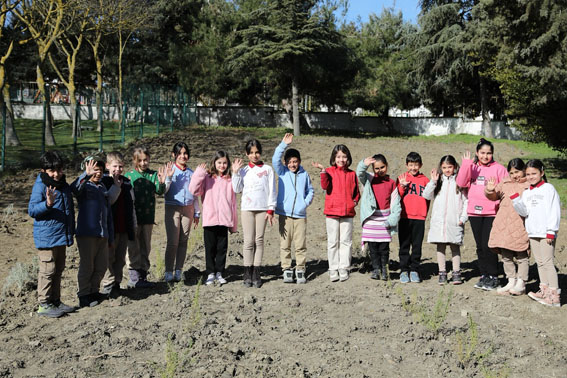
[117,213]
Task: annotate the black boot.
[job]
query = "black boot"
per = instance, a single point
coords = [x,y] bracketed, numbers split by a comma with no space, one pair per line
[384,268]
[248,276]
[256,280]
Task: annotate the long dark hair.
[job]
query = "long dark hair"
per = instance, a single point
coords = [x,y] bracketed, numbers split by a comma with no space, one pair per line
[537,164]
[177,147]
[213,169]
[447,159]
[516,163]
[344,149]
[483,142]
[253,143]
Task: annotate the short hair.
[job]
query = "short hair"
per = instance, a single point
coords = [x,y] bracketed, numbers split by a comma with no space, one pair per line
[380,157]
[516,163]
[253,143]
[213,169]
[344,149]
[177,147]
[139,151]
[413,157]
[51,160]
[115,156]
[291,153]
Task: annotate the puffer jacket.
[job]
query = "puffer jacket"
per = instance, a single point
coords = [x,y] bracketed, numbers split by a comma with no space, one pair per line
[508,229]
[342,194]
[449,208]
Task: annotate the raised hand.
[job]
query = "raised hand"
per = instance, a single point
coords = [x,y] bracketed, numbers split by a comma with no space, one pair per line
[491,184]
[402,179]
[369,160]
[50,195]
[169,169]
[90,167]
[317,165]
[467,155]
[288,138]
[117,179]
[236,165]
[161,174]
[434,174]
[203,166]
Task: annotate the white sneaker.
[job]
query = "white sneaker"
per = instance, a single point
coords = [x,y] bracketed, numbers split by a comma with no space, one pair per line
[333,275]
[343,275]
[519,288]
[178,275]
[210,279]
[506,289]
[168,276]
[220,279]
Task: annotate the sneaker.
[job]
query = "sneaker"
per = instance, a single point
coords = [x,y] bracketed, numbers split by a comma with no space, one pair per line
[106,290]
[442,278]
[384,273]
[404,277]
[300,276]
[178,275]
[456,278]
[553,298]
[375,275]
[519,288]
[133,278]
[334,275]
[480,282]
[414,277]
[49,310]
[210,279]
[220,279]
[63,307]
[343,275]
[491,283]
[144,284]
[540,294]
[168,276]
[288,276]
[506,289]
[87,301]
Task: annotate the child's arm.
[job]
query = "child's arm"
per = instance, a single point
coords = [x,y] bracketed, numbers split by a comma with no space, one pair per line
[134,217]
[428,192]
[395,209]
[272,197]
[159,180]
[38,201]
[402,184]
[361,169]
[464,214]
[356,194]
[309,191]
[554,214]
[196,212]
[237,178]
[465,173]
[326,179]
[519,205]
[278,153]
[196,185]
[115,189]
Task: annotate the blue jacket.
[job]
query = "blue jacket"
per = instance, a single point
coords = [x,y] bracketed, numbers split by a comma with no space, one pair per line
[55,226]
[95,214]
[295,191]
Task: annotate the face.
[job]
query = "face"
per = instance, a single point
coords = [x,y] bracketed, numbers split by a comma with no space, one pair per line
[97,175]
[254,155]
[380,169]
[55,174]
[341,159]
[413,167]
[182,158]
[142,162]
[534,175]
[293,164]
[221,164]
[516,174]
[115,167]
[448,169]
[484,154]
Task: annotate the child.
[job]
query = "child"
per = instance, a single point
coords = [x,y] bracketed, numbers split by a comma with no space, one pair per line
[474,176]
[124,220]
[257,183]
[379,212]
[508,235]
[295,193]
[147,184]
[181,210]
[51,206]
[342,196]
[95,231]
[541,207]
[448,216]
[214,185]
[412,223]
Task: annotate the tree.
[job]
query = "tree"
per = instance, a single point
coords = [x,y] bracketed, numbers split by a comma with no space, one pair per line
[7,48]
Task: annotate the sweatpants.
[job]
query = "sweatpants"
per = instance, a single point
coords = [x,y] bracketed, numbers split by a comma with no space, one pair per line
[339,243]
[293,229]
[253,228]
[51,267]
[139,249]
[523,261]
[178,220]
[216,244]
[455,258]
[487,260]
[543,254]
[93,261]
[411,232]
[379,253]
[116,260]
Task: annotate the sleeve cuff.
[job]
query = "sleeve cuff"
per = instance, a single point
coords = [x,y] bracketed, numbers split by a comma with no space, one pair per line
[514,196]
[550,236]
[271,212]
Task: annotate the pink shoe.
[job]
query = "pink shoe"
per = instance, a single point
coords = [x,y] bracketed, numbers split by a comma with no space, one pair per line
[540,294]
[552,298]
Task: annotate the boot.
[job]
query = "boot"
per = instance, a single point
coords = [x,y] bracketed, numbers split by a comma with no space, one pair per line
[134,277]
[540,294]
[248,276]
[553,298]
[506,289]
[256,279]
[143,281]
[519,288]
[384,267]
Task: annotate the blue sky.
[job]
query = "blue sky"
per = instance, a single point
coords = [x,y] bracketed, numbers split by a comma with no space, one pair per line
[363,8]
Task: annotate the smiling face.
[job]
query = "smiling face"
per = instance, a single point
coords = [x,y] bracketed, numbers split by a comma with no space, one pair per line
[293,164]
[55,174]
[341,159]
[485,154]
[97,175]
[142,162]
[254,155]
[380,169]
[221,164]
[516,174]
[448,169]
[182,158]
[534,175]
[115,167]
[413,167]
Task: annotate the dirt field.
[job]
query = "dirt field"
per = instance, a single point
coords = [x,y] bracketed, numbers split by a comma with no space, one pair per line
[358,328]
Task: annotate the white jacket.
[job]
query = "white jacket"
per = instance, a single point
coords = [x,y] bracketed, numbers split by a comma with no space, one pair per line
[258,187]
[449,208]
[541,207]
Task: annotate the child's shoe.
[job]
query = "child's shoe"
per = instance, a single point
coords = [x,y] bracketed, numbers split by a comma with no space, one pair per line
[143,280]
[442,278]
[133,278]
[256,279]
[49,310]
[220,278]
[106,290]
[519,288]
[414,277]
[63,307]
[480,282]
[540,294]
[87,301]
[375,275]
[300,276]
[384,273]
[178,275]
[506,289]
[553,298]
[168,277]
[247,276]
[491,283]
[334,275]
[210,279]
[404,277]
[456,278]
[343,275]
[288,276]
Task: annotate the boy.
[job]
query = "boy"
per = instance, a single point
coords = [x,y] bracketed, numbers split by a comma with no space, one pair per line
[95,229]
[295,193]
[412,222]
[51,206]
[124,220]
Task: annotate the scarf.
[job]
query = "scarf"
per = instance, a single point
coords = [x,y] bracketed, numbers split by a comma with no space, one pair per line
[48,181]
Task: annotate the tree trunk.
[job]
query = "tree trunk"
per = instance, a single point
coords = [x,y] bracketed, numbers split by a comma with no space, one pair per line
[486,127]
[49,139]
[11,136]
[98,93]
[295,107]
[120,80]
[74,118]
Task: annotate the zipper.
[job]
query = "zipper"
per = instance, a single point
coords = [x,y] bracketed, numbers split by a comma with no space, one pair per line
[447,190]
[294,198]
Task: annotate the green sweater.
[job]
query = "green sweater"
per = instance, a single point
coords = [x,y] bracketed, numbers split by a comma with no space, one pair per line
[146,185]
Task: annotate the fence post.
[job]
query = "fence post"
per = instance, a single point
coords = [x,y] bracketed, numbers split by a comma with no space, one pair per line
[101,118]
[123,136]
[171,117]
[77,119]
[157,121]
[141,114]
[3,136]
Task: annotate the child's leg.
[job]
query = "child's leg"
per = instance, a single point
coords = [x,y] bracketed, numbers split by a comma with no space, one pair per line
[441,247]
[222,246]
[345,248]
[210,238]
[249,231]
[286,232]
[333,243]
[374,255]
[260,225]
[417,233]
[172,222]
[487,260]
[300,242]
[456,254]
[59,254]
[116,260]
[523,261]
[186,222]
[87,247]
[100,263]
[508,263]
[46,285]
[543,254]
[405,243]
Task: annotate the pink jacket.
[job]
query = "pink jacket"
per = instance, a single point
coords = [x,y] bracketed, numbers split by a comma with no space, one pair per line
[218,198]
[474,177]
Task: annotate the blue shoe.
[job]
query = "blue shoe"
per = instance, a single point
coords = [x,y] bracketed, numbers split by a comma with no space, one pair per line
[404,278]
[414,277]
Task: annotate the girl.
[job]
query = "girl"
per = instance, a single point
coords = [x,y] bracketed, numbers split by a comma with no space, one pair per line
[181,210]
[380,211]
[509,236]
[541,207]
[146,184]
[214,185]
[256,181]
[448,216]
[473,176]
[341,197]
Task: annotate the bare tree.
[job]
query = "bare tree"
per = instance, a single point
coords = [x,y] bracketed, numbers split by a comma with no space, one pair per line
[11,136]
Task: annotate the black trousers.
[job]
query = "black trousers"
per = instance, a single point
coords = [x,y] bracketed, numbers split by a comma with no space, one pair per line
[216,244]
[379,253]
[411,232]
[487,260]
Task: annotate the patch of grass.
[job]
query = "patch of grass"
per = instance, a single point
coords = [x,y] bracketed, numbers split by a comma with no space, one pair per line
[158,269]
[468,348]
[432,318]
[21,278]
